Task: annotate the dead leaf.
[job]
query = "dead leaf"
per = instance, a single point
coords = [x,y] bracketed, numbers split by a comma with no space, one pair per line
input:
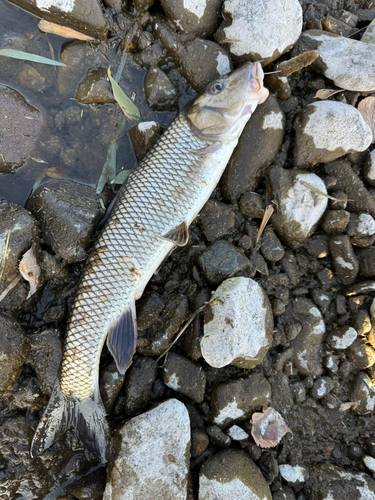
[326,93]
[297,63]
[30,270]
[268,428]
[56,29]
[266,217]
[348,405]
[367,109]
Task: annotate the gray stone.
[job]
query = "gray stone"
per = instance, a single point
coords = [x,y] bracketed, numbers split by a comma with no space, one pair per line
[294,474]
[237,433]
[199,443]
[341,337]
[191,17]
[251,205]
[138,384]
[142,136]
[160,93]
[271,247]
[366,262]
[361,229]
[218,437]
[298,208]
[148,309]
[216,220]
[85,16]
[94,88]
[232,474]
[369,169]
[350,64]
[220,261]
[335,221]
[361,355]
[45,356]
[21,126]
[344,260]
[239,399]
[184,376]
[110,384]
[322,386]
[262,30]
[307,346]
[238,325]
[67,213]
[321,299]
[327,130]
[260,141]
[160,472]
[14,347]
[317,246]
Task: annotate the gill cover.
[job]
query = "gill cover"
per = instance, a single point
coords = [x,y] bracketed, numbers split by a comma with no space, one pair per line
[223,110]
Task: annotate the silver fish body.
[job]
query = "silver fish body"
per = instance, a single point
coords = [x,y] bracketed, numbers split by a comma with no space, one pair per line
[165,192]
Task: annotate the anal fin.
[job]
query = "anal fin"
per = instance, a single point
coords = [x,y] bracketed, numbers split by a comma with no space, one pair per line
[122,338]
[178,235]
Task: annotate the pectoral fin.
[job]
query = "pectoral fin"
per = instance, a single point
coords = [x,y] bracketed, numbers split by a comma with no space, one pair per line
[122,338]
[178,235]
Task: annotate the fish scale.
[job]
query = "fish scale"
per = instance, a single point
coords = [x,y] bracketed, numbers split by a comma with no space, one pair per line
[158,196]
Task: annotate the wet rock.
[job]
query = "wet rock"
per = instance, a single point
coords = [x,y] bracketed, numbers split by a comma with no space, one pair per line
[259,142]
[45,356]
[237,433]
[321,299]
[335,221]
[271,247]
[360,288]
[216,220]
[142,136]
[110,383]
[283,493]
[336,483]
[159,473]
[30,78]
[185,377]
[268,466]
[322,386]
[265,30]
[341,337]
[251,205]
[85,16]
[138,384]
[317,246]
[369,169]
[282,396]
[345,262]
[307,346]
[239,399]
[88,487]
[95,88]
[238,325]
[190,17]
[369,463]
[367,264]
[359,198]
[199,443]
[21,127]
[361,355]
[294,474]
[14,347]
[148,309]
[218,437]
[160,93]
[232,474]
[221,260]
[327,130]
[350,64]
[67,213]
[299,209]
[361,230]
[174,314]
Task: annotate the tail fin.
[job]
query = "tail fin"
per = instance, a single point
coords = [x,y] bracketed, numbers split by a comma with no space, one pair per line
[86,416]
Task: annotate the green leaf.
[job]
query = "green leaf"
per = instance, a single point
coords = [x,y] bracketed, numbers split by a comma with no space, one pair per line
[129,109]
[121,177]
[109,168]
[316,190]
[26,56]
[120,69]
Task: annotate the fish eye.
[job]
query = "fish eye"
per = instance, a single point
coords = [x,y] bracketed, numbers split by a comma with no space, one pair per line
[216,88]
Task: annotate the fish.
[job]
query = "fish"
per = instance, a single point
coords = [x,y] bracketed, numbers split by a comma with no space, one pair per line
[149,219]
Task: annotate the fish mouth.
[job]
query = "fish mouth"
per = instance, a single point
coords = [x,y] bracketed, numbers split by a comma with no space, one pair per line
[256,92]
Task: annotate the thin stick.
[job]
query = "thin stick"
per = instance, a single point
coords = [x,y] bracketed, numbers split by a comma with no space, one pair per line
[266,217]
[2,265]
[10,287]
[182,330]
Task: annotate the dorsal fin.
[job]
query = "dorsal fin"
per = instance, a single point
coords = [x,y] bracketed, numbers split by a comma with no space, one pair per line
[178,235]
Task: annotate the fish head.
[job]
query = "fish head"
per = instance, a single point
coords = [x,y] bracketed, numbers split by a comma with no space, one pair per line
[221,113]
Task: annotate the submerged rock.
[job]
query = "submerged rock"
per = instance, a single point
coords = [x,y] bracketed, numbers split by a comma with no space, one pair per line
[142,136]
[67,213]
[151,457]
[238,325]
[21,126]
[298,207]
[160,93]
[261,30]
[231,474]
[327,130]
[95,88]
[256,149]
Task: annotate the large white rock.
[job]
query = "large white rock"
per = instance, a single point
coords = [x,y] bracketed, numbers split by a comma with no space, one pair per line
[152,456]
[265,28]
[238,325]
[350,64]
[327,130]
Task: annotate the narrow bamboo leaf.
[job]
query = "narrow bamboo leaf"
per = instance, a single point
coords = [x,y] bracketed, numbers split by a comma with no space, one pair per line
[129,109]
[109,168]
[121,177]
[120,69]
[316,190]
[56,29]
[26,56]
[326,93]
